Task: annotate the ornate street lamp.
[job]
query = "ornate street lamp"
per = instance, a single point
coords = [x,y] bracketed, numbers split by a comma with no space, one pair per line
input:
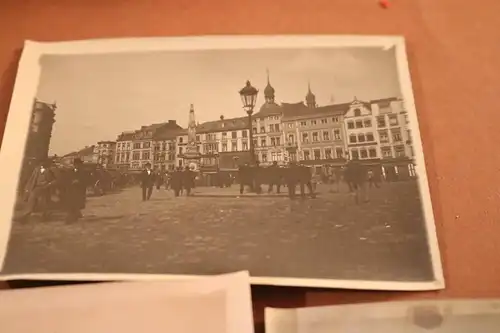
[248,96]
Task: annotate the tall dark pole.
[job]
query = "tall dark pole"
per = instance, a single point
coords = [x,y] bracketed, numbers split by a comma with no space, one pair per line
[250,127]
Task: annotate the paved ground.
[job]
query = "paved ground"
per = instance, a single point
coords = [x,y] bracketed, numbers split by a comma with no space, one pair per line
[326,237]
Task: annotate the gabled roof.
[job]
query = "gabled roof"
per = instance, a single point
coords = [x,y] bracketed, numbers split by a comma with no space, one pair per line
[168,134]
[269,109]
[86,151]
[300,110]
[125,136]
[231,124]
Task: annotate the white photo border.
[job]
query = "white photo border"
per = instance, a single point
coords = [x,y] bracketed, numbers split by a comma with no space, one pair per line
[26,86]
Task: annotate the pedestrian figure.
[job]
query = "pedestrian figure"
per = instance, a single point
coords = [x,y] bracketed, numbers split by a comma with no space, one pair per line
[158,180]
[76,191]
[245,177]
[147,182]
[274,177]
[357,176]
[291,179]
[188,177]
[373,178]
[38,191]
[305,179]
[176,181]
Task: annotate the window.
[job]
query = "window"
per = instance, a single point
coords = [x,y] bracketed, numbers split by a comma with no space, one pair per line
[293,156]
[324,121]
[263,142]
[224,147]
[264,157]
[198,138]
[273,142]
[313,122]
[359,124]
[276,127]
[328,153]
[271,128]
[244,145]
[369,137]
[317,154]
[339,152]
[399,151]
[137,145]
[307,155]
[326,136]
[278,141]
[393,120]
[357,113]
[291,138]
[180,139]
[234,146]
[262,129]
[305,137]
[396,135]
[315,137]
[352,138]
[336,134]
[254,130]
[224,135]
[180,150]
[244,134]
[354,153]
[145,155]
[384,136]
[386,152]
[407,120]
[372,152]
[273,156]
[350,125]
[408,136]
[361,137]
[255,143]
[234,135]
[290,125]
[368,123]
[363,153]
[303,123]
[381,121]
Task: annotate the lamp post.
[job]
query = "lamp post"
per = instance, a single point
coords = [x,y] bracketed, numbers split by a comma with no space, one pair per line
[248,96]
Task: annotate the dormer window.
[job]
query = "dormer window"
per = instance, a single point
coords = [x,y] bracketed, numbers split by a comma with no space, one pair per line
[357,113]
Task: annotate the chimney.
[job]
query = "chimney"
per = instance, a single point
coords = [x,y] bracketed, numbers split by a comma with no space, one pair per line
[172,122]
[221,117]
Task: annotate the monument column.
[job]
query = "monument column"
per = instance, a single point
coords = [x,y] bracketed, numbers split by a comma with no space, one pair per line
[192,156]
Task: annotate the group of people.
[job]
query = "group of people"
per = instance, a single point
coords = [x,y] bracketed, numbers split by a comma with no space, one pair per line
[70,184]
[180,180]
[355,174]
[254,176]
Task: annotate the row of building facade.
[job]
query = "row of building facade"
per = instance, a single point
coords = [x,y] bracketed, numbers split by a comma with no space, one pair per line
[375,131]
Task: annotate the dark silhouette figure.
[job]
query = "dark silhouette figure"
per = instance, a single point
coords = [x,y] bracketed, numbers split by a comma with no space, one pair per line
[76,192]
[147,182]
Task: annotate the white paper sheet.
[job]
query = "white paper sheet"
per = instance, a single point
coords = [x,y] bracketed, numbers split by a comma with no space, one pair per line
[218,304]
[458,316]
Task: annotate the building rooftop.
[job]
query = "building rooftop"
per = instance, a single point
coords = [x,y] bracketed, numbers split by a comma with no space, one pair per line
[222,125]
[300,110]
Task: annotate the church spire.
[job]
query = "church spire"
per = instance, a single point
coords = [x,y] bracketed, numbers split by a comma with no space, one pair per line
[269,90]
[310,97]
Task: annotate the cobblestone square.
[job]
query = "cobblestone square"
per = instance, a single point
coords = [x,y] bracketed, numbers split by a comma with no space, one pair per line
[215,231]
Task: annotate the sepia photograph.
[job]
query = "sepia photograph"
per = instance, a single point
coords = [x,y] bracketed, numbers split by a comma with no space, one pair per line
[443,316]
[298,159]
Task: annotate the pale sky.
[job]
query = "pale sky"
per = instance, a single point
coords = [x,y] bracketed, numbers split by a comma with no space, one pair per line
[99,96]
